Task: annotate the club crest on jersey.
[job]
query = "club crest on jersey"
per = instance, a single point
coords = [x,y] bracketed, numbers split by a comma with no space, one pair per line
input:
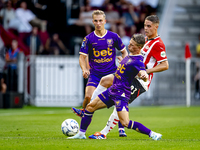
[129,61]
[163,54]
[109,41]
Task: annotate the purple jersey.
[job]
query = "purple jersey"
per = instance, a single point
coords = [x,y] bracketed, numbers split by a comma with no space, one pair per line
[126,72]
[101,51]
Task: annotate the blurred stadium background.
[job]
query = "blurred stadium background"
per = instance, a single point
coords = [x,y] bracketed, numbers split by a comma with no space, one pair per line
[56,80]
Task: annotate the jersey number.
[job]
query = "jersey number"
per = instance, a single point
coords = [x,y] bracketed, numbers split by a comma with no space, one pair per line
[133,89]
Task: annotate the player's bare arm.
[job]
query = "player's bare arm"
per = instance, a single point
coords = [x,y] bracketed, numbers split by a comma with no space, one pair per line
[164,65]
[124,53]
[87,61]
[83,65]
[119,58]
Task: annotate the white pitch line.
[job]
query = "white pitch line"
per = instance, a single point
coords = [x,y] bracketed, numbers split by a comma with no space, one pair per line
[29,138]
[30,113]
[26,113]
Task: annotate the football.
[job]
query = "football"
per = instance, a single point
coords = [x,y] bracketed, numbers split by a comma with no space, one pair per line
[69,127]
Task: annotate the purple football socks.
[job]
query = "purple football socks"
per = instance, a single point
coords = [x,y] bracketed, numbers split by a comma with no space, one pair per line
[138,127]
[86,120]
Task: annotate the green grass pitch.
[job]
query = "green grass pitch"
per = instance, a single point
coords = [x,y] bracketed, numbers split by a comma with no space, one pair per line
[32,128]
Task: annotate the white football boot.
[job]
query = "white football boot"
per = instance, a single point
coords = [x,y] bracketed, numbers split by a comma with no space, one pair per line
[77,136]
[155,136]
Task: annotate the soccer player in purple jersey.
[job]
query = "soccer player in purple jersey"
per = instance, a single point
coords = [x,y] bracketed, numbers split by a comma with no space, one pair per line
[99,48]
[119,93]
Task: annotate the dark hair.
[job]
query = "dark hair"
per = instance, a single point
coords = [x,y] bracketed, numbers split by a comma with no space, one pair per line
[139,39]
[153,18]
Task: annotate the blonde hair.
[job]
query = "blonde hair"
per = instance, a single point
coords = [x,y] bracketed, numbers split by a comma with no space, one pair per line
[98,12]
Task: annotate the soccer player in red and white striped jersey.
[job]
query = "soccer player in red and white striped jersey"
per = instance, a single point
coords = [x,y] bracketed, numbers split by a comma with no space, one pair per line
[155,58]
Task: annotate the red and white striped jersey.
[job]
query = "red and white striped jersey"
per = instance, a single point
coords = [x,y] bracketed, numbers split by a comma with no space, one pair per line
[153,53]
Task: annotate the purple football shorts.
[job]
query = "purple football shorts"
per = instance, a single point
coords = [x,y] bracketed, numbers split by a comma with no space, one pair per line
[94,80]
[120,102]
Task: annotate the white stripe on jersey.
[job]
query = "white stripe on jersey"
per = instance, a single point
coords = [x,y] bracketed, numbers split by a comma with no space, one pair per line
[152,60]
[143,48]
[162,60]
[123,49]
[83,53]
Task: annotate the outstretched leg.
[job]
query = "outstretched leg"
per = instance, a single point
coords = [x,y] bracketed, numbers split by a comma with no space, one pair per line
[124,119]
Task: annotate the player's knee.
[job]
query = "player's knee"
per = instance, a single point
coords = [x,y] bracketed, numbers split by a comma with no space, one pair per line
[124,123]
[106,81]
[88,97]
[90,107]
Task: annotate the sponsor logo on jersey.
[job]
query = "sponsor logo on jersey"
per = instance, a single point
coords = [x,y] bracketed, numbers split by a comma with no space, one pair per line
[147,47]
[83,44]
[163,54]
[84,39]
[103,60]
[101,39]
